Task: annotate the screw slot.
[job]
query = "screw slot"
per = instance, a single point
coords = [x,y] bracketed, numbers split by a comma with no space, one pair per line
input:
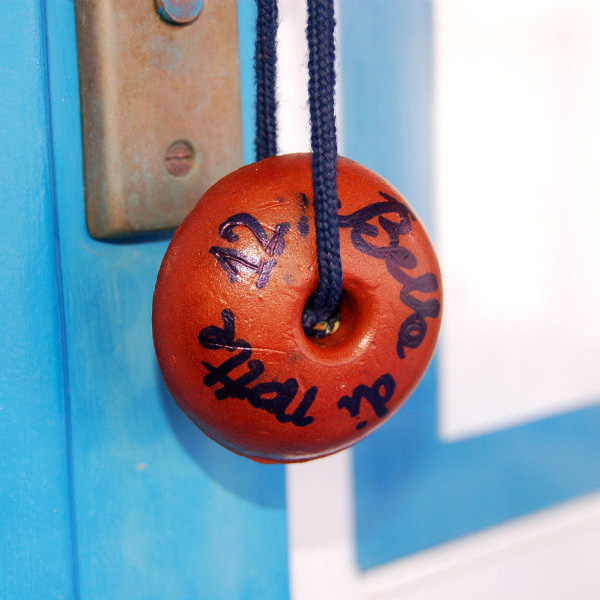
[180,158]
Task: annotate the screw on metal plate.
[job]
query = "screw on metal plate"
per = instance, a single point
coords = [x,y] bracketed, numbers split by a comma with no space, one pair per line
[136,70]
[178,12]
[179,158]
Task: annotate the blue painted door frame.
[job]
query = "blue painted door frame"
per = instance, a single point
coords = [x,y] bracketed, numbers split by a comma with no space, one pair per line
[412,489]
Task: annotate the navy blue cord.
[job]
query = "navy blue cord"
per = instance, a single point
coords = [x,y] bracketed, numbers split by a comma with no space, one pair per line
[321,315]
[265,67]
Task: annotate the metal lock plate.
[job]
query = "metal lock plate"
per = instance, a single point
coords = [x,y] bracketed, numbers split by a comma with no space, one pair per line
[161,111]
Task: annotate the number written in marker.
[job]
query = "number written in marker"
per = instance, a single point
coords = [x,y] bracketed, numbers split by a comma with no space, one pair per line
[232,260]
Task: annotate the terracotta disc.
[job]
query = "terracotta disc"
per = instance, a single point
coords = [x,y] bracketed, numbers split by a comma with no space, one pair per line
[229,300]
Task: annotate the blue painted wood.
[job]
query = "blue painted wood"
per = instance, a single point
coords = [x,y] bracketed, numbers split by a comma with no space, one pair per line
[159,511]
[412,490]
[247,30]
[35,534]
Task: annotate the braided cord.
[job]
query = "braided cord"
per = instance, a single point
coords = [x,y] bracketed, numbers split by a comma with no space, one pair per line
[322,308]
[265,67]
[321,315]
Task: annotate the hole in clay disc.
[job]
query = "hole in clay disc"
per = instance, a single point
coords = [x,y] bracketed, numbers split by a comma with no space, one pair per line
[338,328]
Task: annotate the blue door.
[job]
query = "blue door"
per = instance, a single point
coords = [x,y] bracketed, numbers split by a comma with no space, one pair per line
[107,490]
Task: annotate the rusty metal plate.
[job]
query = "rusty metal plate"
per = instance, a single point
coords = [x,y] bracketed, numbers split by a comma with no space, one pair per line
[161,111]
